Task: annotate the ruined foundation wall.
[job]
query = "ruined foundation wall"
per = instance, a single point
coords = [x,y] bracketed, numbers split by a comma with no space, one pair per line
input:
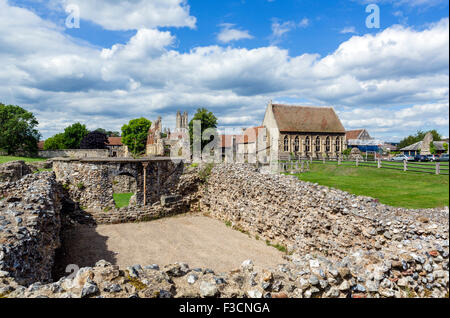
[91,184]
[409,246]
[13,171]
[88,184]
[75,153]
[29,227]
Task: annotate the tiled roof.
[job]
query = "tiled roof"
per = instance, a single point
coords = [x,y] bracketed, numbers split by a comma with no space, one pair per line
[226,141]
[353,134]
[250,135]
[41,145]
[307,119]
[115,141]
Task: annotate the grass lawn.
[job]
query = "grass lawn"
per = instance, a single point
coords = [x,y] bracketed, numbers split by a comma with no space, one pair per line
[122,199]
[4,159]
[395,188]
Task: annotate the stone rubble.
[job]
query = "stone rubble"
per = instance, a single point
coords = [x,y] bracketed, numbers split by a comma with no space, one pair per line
[29,227]
[409,247]
[13,171]
[338,244]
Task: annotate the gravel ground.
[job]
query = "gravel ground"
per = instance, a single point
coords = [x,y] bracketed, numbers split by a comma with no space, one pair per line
[197,240]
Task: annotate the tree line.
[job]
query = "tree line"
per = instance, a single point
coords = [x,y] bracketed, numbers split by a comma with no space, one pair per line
[19,134]
[419,136]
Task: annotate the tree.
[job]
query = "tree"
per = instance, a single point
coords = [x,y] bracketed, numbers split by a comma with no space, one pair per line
[94,140]
[109,133]
[73,136]
[135,134]
[419,136]
[432,148]
[18,131]
[445,145]
[207,119]
[54,143]
[347,152]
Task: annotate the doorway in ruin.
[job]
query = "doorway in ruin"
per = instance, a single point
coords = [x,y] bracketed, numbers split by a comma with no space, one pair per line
[124,189]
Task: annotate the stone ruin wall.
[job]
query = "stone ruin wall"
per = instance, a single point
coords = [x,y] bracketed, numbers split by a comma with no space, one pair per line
[75,153]
[13,171]
[171,188]
[354,232]
[29,227]
[124,184]
[339,244]
[92,183]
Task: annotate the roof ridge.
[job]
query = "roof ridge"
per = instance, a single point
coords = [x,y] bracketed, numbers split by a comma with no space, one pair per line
[304,106]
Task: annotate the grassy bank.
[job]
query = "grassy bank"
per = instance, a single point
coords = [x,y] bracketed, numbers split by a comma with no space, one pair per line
[122,199]
[4,159]
[396,188]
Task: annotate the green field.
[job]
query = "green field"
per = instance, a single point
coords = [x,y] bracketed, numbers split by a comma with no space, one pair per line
[392,187]
[122,199]
[4,159]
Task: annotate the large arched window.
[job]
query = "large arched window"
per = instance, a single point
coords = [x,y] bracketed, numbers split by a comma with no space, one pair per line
[338,144]
[286,144]
[307,144]
[318,144]
[297,144]
[328,144]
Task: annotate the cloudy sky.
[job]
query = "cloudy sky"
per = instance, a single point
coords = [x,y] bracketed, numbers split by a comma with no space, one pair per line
[150,58]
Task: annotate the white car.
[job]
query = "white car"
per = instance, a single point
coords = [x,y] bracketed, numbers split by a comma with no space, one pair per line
[402,158]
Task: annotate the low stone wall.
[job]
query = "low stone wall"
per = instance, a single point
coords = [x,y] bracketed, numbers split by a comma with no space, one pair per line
[90,182]
[124,184]
[142,214]
[75,153]
[13,171]
[29,227]
[186,195]
[342,229]
[339,245]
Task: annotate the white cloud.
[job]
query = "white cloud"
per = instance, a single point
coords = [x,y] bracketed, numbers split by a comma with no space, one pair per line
[279,29]
[229,34]
[369,78]
[134,14]
[350,29]
[303,23]
[403,121]
[146,43]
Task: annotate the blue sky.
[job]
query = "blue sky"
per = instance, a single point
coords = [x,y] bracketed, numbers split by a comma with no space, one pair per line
[147,58]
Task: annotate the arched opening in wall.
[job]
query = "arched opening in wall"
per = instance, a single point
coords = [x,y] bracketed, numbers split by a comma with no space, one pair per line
[328,144]
[124,189]
[286,144]
[307,145]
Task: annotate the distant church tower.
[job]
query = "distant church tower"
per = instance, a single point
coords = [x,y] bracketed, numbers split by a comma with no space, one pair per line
[179,120]
[182,121]
[185,120]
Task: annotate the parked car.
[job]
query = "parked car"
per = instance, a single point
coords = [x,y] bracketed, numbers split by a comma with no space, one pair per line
[432,158]
[443,158]
[421,158]
[402,158]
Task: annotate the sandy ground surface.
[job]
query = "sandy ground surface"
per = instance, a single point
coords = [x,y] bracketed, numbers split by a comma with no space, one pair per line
[196,240]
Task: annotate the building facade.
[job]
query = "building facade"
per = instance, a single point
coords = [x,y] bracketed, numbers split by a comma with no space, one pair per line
[304,131]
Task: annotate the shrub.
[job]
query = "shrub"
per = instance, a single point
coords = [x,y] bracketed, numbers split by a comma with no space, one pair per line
[205,172]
